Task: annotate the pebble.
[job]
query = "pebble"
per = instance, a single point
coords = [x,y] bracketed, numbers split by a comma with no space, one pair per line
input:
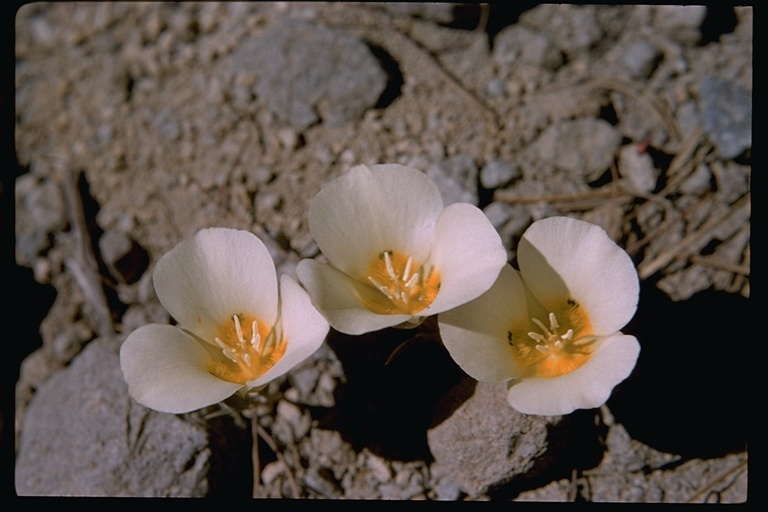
[638,169]
[699,182]
[639,58]
[498,173]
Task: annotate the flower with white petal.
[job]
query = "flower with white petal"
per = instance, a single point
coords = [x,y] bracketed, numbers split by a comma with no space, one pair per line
[551,331]
[235,332]
[396,254]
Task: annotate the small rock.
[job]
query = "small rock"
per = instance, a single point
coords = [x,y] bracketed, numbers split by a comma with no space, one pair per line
[726,115]
[573,28]
[498,213]
[40,210]
[638,169]
[518,43]
[378,467]
[323,481]
[699,182]
[304,379]
[639,58]
[481,444]
[456,177]
[498,173]
[681,22]
[585,147]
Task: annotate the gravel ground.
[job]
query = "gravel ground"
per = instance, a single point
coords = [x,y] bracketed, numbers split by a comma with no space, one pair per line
[137,124]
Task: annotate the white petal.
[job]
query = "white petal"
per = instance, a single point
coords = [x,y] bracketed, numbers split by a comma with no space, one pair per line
[586,387]
[337,297]
[564,258]
[217,273]
[303,327]
[367,211]
[468,253]
[165,369]
[476,333]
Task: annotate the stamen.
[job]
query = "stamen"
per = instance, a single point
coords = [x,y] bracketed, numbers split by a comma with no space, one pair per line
[553,325]
[536,336]
[407,271]
[412,280]
[584,341]
[388,263]
[568,335]
[239,330]
[230,354]
[383,289]
[255,336]
[253,353]
[402,280]
[542,348]
[541,325]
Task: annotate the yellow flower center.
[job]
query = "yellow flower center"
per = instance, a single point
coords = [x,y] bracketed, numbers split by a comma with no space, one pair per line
[556,348]
[250,348]
[406,286]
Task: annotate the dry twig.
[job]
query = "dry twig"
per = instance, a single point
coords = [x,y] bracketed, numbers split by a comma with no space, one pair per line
[718,479]
[259,431]
[82,264]
[648,268]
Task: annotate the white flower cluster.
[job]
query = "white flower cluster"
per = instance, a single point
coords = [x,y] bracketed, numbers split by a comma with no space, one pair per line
[396,255]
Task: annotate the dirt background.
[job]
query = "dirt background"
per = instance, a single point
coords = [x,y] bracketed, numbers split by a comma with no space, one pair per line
[137,124]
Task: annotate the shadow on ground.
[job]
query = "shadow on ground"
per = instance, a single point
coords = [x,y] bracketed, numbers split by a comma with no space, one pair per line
[688,394]
[389,407]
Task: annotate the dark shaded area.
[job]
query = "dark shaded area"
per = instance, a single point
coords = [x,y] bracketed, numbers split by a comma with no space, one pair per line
[388,407]
[608,114]
[720,19]
[689,392]
[497,16]
[231,472]
[395,78]
[132,265]
[90,211]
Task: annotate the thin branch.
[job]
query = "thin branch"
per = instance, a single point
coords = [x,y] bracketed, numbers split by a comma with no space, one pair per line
[259,430]
[650,267]
[631,89]
[557,198]
[720,478]
[82,264]
[721,264]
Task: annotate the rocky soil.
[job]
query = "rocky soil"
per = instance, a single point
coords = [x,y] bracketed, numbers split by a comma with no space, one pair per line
[139,123]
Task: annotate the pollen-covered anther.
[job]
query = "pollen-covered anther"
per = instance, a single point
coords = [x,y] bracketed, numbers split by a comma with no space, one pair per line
[408,286]
[551,337]
[252,352]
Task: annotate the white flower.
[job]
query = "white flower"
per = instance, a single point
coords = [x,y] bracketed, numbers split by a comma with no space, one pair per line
[235,333]
[552,330]
[396,254]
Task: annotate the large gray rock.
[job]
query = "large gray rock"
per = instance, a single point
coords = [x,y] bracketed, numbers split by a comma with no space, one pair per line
[726,114]
[82,435]
[305,72]
[485,443]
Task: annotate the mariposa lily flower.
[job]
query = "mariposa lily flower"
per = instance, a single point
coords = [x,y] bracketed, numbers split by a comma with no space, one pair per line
[552,330]
[235,332]
[396,254]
